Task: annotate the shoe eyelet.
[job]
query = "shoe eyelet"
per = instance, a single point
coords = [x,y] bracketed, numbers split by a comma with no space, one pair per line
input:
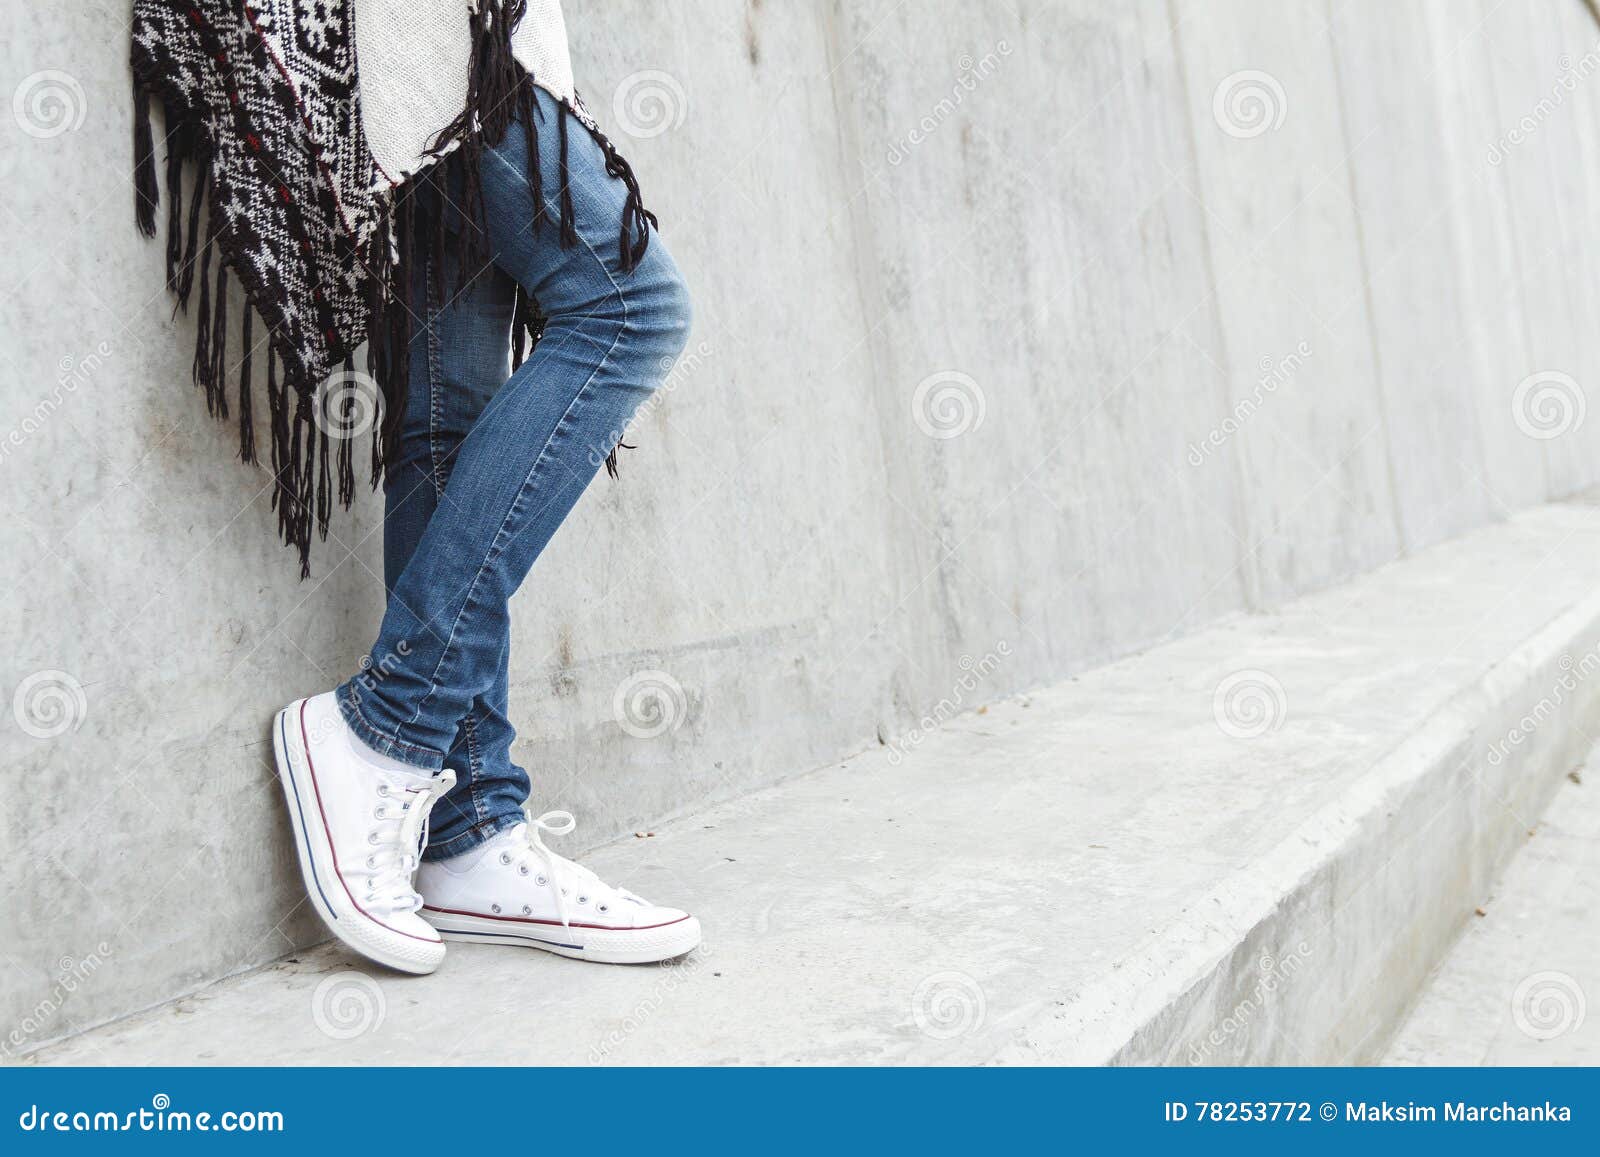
[383,789]
[603,908]
[583,899]
[372,862]
[522,869]
[379,814]
[372,838]
[494,907]
[541,881]
[505,857]
[527,911]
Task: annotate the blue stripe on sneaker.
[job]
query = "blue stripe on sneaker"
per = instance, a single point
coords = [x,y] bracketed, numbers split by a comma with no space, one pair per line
[311,858]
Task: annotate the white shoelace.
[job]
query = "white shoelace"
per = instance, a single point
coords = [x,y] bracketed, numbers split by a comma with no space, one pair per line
[395,861]
[562,872]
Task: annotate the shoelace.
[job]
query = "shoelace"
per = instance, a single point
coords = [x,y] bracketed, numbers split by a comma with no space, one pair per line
[562,871]
[395,862]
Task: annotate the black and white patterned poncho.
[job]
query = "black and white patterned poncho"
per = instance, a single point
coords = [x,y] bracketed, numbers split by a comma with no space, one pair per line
[304,197]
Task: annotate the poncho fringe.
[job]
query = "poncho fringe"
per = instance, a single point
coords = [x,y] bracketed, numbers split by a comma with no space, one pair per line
[324,273]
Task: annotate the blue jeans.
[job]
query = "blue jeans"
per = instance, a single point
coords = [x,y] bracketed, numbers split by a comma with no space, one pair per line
[491,462]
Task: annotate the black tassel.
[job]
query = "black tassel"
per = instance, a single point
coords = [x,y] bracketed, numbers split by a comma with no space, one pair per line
[202,341]
[247,426]
[569,227]
[219,343]
[527,111]
[637,221]
[324,478]
[196,199]
[175,137]
[347,440]
[277,413]
[146,192]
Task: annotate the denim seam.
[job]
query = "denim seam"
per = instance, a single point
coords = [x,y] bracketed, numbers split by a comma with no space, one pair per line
[435,376]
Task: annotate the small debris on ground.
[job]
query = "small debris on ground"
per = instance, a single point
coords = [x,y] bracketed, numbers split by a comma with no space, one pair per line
[1576,776]
[1479,912]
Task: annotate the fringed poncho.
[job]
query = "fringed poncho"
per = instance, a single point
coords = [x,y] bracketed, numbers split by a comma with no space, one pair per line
[304,129]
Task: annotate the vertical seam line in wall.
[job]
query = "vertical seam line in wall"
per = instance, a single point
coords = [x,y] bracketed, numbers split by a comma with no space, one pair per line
[1396,511]
[1249,562]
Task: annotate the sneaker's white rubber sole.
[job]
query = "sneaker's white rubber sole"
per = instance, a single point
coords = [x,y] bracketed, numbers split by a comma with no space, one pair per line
[581,942]
[325,887]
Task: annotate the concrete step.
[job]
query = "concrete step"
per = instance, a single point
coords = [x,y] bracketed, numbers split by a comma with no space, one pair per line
[1249,845]
[1518,987]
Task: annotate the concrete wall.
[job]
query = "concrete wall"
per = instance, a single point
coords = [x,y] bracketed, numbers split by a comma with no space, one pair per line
[896,217]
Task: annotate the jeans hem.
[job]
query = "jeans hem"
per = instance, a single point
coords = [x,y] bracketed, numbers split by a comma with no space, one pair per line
[478,834]
[422,758]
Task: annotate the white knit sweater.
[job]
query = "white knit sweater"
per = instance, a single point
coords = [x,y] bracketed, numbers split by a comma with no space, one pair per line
[412,63]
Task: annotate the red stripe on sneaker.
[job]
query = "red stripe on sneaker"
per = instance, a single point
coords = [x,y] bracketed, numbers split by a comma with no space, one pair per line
[305,744]
[552,923]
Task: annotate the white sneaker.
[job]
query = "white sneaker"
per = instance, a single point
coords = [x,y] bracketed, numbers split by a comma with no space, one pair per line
[360,822]
[514,890]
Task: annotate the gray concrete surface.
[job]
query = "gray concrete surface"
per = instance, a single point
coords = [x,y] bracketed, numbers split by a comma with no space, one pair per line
[1128,866]
[1036,204]
[1521,985]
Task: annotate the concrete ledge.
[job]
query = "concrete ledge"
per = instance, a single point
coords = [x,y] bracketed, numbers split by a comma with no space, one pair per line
[1249,845]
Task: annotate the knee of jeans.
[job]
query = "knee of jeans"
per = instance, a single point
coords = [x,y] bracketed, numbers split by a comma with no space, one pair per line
[659,309]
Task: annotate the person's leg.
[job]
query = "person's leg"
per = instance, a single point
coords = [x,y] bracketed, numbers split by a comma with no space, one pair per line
[459,360]
[610,337]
